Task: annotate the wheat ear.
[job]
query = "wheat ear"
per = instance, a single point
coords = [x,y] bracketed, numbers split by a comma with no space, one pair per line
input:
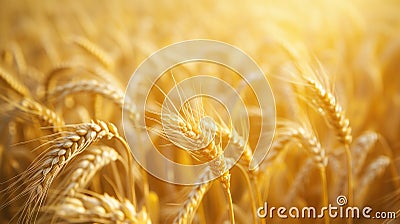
[87,165]
[48,116]
[218,167]
[93,207]
[302,174]
[328,105]
[41,173]
[95,71]
[362,145]
[323,100]
[95,50]
[199,140]
[310,143]
[376,168]
[194,200]
[15,84]
[239,144]
[95,87]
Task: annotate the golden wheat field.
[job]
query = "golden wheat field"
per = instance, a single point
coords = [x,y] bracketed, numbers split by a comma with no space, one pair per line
[66,153]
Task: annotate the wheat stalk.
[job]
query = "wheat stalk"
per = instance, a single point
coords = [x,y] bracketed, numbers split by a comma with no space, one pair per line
[298,180]
[320,96]
[19,58]
[361,148]
[63,67]
[359,48]
[13,83]
[199,140]
[335,116]
[245,159]
[43,113]
[93,207]
[95,87]
[376,168]
[218,168]
[308,141]
[94,50]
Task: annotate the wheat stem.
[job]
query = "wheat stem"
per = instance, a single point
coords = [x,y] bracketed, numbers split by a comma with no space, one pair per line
[251,193]
[245,158]
[324,187]
[228,195]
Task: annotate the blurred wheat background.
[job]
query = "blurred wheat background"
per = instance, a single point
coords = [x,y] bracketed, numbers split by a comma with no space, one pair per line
[334,68]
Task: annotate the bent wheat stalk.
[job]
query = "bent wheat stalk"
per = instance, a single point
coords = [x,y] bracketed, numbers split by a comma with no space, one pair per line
[95,87]
[61,69]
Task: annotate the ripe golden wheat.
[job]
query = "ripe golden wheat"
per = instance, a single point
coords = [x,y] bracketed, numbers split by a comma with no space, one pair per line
[334,71]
